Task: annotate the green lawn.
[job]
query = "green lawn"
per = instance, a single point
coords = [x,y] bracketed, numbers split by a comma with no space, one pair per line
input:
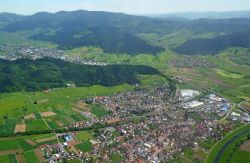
[98,111]
[73,161]
[85,146]
[84,135]
[116,158]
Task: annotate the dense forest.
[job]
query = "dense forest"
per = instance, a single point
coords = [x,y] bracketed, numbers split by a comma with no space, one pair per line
[120,33]
[46,73]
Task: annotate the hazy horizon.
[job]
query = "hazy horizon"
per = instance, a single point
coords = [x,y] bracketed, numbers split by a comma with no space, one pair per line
[139,7]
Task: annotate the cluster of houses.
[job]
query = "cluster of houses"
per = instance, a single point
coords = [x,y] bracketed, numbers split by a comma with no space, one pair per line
[19,52]
[191,62]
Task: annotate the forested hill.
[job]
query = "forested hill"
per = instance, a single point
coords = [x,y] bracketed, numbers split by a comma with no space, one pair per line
[113,32]
[214,45]
[46,73]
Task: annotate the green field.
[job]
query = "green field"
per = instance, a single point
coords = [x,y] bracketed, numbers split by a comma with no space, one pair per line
[21,39]
[98,111]
[241,156]
[84,135]
[9,144]
[8,159]
[228,74]
[30,157]
[15,106]
[36,125]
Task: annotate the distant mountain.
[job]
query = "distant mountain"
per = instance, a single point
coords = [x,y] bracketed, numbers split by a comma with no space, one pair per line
[121,33]
[206,15]
[112,32]
[214,45]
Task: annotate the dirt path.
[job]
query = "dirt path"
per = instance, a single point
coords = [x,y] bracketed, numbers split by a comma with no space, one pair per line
[7,152]
[19,158]
[39,155]
[45,140]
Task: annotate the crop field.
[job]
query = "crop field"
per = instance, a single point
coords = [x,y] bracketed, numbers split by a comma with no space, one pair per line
[8,159]
[9,144]
[36,125]
[25,141]
[30,157]
[58,107]
[228,74]
[245,146]
[20,128]
[228,78]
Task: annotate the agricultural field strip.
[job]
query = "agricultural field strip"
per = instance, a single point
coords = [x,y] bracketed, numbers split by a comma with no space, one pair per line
[39,112]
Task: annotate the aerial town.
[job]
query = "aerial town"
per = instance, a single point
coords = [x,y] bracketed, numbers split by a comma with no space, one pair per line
[145,125]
